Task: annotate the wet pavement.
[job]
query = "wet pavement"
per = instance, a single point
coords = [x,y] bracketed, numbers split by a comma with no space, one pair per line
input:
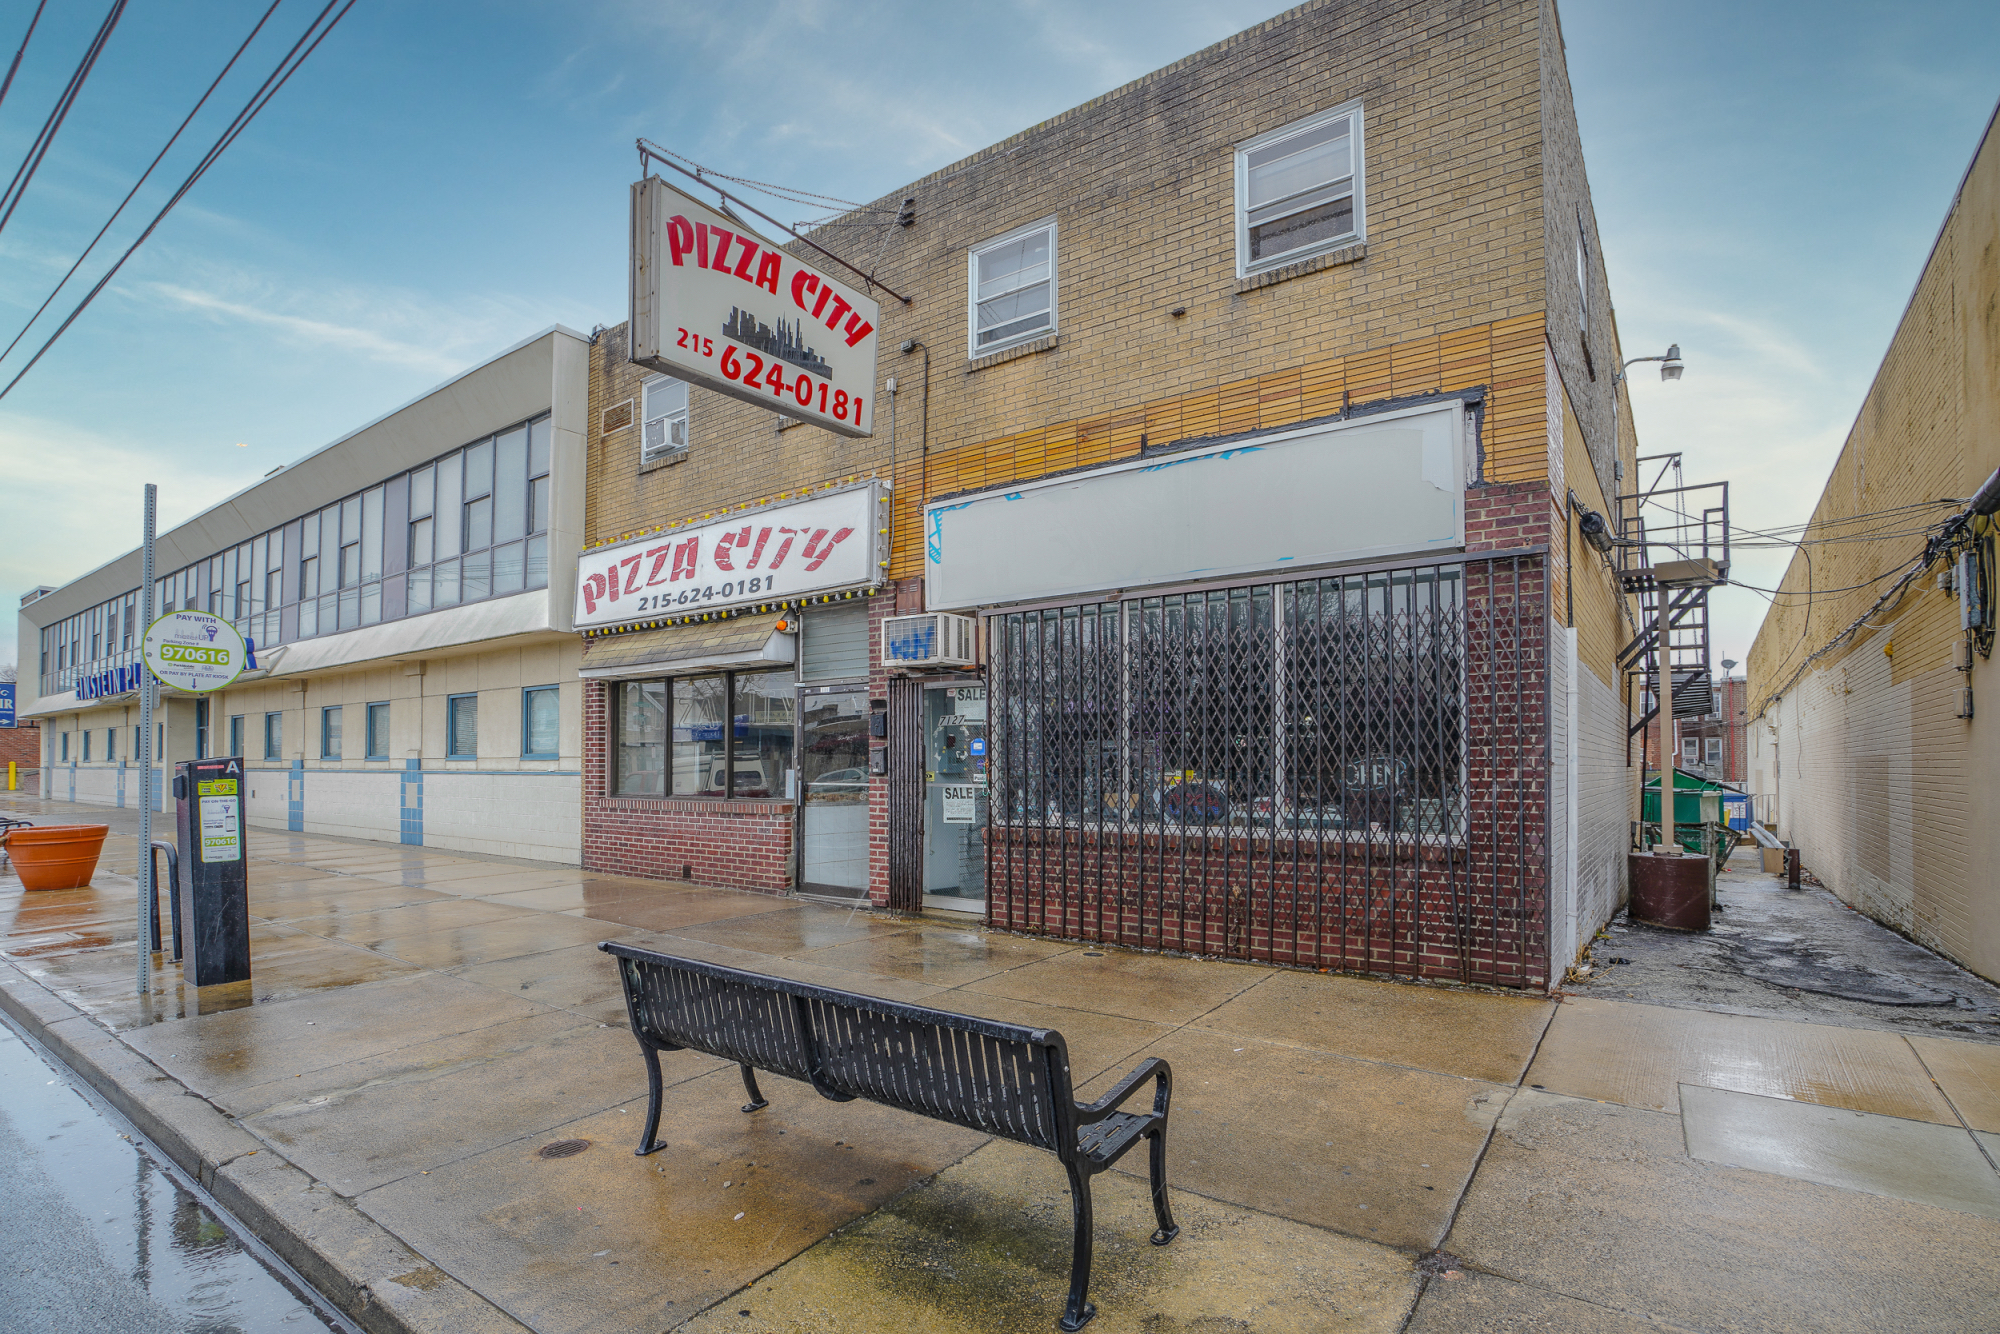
[99,1236]
[1345,1153]
[1792,954]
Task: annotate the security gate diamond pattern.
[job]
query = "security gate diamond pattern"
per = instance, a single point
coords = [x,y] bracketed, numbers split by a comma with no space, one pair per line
[1345,772]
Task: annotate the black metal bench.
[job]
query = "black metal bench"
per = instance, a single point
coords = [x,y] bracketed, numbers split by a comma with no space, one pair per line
[1000,1079]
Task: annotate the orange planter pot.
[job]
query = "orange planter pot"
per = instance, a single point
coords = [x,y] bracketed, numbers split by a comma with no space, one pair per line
[57,856]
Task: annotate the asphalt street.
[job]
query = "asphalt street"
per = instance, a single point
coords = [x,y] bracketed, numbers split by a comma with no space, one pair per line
[96,1238]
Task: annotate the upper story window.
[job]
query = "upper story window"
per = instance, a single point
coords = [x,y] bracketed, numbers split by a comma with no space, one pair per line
[663,431]
[471,525]
[1299,190]
[478,521]
[1013,288]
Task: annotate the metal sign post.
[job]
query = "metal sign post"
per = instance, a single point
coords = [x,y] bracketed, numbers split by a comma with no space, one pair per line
[147,890]
[198,653]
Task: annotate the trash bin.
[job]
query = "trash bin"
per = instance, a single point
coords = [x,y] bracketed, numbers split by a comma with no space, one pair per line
[1669,891]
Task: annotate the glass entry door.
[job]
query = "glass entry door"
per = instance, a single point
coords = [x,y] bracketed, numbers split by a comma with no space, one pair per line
[833,773]
[955,803]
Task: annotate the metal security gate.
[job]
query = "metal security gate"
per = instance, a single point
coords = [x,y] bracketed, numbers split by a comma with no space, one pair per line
[1342,772]
[905,726]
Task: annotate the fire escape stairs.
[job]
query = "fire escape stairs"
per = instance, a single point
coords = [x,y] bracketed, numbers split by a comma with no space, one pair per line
[1691,525]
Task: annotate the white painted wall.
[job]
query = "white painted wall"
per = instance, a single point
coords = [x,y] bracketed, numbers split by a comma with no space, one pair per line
[538,816]
[1604,787]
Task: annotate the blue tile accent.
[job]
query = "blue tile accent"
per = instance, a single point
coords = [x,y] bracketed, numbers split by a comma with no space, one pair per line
[413,803]
[295,798]
[72,781]
[121,783]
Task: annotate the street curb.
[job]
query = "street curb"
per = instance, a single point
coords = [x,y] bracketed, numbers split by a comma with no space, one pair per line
[357,1265]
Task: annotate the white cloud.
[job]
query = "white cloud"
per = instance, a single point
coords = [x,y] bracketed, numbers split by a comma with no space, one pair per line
[364,341]
[58,529]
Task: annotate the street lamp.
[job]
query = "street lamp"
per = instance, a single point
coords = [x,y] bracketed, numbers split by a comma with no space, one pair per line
[1671,365]
[1671,368]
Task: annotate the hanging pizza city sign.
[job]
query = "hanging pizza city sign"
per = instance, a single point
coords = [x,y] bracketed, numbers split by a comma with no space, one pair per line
[716,306]
[193,651]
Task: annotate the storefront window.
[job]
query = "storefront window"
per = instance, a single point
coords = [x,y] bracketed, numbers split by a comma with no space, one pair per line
[721,722]
[642,739]
[699,759]
[1332,704]
[763,714]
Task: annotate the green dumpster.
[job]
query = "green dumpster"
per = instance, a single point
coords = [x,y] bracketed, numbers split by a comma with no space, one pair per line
[1688,793]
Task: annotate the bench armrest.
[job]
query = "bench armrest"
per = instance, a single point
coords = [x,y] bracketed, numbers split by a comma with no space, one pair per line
[1150,1068]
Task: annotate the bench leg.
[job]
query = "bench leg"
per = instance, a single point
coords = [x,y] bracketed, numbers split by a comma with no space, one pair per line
[1079,1311]
[757,1101]
[1168,1228]
[646,1144]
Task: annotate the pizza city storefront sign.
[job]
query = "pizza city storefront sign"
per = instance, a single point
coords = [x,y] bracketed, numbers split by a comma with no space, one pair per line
[769,556]
[720,308]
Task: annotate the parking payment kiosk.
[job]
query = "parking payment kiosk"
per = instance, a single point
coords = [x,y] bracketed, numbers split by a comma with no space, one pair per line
[214,883]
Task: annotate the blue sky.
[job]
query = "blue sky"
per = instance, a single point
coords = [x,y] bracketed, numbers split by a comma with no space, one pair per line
[443,179]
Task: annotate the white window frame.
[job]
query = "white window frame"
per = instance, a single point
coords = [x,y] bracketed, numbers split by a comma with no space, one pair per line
[649,457]
[1245,266]
[973,348]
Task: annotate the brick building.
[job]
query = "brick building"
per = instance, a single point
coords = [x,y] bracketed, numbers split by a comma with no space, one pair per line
[21,744]
[1244,414]
[1712,745]
[1865,743]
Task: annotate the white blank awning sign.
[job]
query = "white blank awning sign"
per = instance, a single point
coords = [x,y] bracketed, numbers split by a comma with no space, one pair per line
[1386,485]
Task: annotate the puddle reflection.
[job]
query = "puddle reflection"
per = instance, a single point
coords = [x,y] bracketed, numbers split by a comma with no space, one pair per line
[98,1235]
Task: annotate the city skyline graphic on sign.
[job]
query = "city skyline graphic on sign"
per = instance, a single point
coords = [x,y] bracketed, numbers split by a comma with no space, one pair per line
[786,342]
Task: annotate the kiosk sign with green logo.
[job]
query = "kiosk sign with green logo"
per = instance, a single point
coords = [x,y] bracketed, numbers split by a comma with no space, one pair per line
[193,651]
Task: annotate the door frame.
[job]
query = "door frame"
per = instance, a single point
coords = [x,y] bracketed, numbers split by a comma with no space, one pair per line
[803,693]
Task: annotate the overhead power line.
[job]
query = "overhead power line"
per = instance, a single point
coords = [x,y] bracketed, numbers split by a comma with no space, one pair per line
[308,42]
[143,177]
[22,50]
[46,136]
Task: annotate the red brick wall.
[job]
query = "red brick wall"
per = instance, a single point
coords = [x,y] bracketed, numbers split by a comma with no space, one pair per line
[1474,911]
[22,745]
[736,844]
[904,597]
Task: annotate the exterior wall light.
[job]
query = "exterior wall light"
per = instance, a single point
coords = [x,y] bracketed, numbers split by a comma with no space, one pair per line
[1671,367]
[1594,530]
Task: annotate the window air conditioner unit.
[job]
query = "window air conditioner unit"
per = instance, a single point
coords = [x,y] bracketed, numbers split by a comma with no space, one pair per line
[933,639]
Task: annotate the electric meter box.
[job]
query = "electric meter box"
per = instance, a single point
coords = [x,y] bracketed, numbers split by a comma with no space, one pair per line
[214,883]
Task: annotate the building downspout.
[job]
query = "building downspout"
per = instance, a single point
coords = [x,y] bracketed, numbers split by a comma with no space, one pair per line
[1575,851]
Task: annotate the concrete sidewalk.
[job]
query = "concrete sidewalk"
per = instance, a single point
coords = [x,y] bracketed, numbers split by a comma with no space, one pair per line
[1346,1153]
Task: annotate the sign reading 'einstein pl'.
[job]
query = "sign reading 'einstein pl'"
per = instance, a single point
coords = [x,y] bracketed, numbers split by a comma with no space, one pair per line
[718,307]
[194,651]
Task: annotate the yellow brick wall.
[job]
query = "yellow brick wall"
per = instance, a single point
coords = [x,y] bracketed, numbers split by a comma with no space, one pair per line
[1505,356]
[1447,292]
[1892,798]
[1604,615]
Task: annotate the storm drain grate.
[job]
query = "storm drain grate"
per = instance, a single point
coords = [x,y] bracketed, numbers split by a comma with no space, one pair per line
[563,1148]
